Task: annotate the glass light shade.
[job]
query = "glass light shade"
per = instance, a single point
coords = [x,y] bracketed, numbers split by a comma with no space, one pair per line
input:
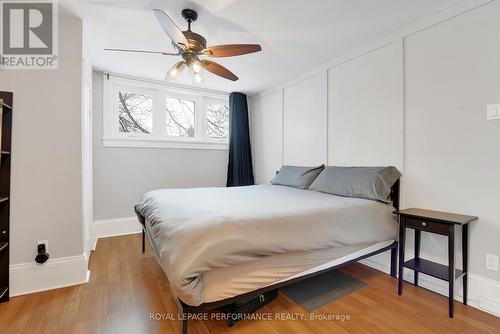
[174,70]
[197,79]
[196,68]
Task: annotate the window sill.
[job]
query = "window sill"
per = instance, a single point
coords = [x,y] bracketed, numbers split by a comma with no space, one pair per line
[165,143]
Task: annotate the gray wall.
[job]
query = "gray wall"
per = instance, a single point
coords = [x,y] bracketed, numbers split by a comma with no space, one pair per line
[123,175]
[46,193]
[418,103]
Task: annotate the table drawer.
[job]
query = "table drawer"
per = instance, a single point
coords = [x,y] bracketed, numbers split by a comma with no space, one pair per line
[426,225]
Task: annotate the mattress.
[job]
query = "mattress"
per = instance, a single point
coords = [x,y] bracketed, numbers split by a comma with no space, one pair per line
[198,232]
[223,283]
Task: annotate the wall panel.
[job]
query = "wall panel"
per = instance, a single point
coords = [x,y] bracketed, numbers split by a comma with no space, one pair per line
[267,136]
[365,109]
[305,122]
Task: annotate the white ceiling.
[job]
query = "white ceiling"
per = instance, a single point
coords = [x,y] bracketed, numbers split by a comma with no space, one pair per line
[296,35]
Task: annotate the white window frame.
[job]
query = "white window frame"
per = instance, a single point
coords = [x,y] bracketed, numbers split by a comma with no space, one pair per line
[159,138]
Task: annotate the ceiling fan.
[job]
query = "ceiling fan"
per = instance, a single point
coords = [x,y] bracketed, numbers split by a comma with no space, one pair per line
[189,45]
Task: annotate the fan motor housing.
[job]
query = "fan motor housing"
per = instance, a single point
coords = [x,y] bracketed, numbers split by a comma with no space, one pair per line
[196,41]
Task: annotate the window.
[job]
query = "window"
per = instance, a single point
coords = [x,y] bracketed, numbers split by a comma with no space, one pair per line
[217,120]
[180,117]
[137,113]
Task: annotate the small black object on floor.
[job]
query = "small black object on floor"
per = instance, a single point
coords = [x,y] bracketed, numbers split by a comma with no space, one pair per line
[242,309]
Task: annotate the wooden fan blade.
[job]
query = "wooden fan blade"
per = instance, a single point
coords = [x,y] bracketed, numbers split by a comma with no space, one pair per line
[171,28]
[218,70]
[142,51]
[230,50]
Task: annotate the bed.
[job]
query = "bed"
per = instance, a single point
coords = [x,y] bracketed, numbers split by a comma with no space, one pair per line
[219,245]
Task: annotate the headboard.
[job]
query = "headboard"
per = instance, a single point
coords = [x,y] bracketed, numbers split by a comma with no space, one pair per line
[395,195]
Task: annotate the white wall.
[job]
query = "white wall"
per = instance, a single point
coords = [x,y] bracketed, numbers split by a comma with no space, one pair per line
[46,175]
[87,179]
[267,136]
[348,114]
[305,122]
[452,72]
[417,100]
[122,175]
[365,119]
[46,152]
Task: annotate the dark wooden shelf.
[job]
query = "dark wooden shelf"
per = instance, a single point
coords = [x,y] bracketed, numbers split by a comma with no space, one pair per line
[4,105]
[3,291]
[431,268]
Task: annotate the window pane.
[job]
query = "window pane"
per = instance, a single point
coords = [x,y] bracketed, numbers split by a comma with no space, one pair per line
[217,120]
[180,117]
[135,112]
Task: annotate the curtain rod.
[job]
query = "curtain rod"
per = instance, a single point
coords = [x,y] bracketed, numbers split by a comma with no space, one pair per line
[171,85]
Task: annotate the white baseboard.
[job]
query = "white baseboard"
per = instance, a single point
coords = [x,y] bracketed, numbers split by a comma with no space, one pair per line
[484,293]
[55,273]
[114,227]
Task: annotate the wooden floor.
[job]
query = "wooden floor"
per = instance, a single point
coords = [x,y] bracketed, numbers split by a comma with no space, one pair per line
[126,286]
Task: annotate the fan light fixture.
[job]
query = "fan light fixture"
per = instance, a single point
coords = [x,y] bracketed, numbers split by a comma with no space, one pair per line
[190,45]
[195,68]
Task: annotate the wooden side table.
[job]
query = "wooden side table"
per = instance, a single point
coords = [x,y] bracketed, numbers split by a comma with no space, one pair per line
[442,223]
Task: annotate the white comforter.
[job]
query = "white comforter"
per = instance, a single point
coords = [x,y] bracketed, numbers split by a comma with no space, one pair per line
[200,229]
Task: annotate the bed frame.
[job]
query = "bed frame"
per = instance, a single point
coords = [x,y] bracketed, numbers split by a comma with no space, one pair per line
[186,310]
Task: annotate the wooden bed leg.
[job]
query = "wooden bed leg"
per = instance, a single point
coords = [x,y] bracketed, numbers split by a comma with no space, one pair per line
[394,260]
[143,241]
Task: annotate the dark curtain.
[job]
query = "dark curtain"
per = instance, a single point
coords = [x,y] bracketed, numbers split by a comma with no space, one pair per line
[240,170]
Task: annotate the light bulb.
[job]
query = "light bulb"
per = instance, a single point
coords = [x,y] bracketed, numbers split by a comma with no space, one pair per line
[196,68]
[172,73]
[174,70]
[197,79]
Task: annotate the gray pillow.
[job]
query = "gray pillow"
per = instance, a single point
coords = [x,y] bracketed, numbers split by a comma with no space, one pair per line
[297,176]
[363,182]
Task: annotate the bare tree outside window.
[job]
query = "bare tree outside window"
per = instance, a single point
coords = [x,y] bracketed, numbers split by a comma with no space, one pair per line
[180,117]
[136,116]
[217,120]
[135,113]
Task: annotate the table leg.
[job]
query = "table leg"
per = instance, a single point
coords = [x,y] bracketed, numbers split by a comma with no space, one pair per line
[451,268]
[465,255]
[417,254]
[402,236]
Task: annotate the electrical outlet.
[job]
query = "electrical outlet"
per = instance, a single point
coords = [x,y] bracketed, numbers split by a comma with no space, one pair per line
[46,242]
[492,262]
